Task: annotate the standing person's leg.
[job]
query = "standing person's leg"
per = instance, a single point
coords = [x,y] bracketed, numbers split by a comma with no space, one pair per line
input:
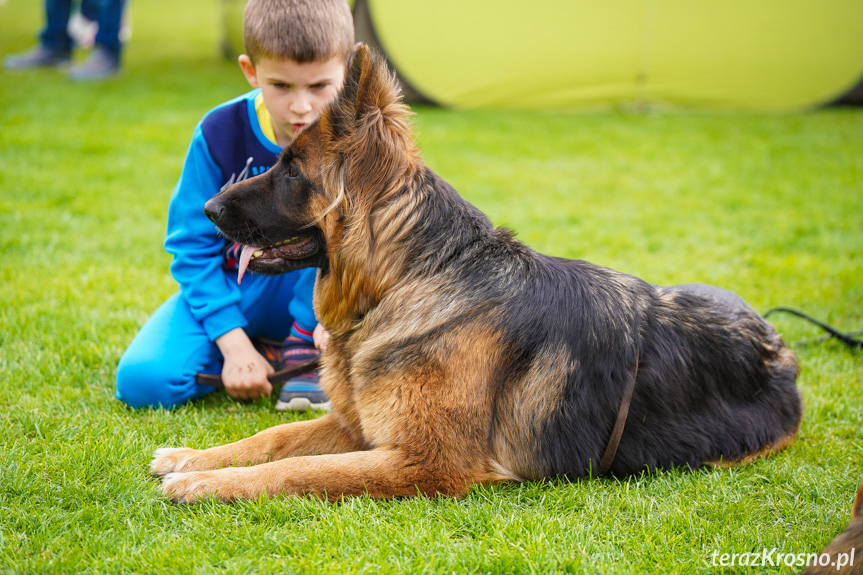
[55,44]
[55,35]
[110,19]
[90,10]
[104,61]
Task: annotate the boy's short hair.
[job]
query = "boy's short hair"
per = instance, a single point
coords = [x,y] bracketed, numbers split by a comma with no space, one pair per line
[299,30]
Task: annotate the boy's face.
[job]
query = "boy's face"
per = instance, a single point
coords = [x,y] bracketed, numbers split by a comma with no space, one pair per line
[295,94]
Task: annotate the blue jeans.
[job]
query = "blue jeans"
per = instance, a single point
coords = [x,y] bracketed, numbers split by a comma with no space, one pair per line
[108,15]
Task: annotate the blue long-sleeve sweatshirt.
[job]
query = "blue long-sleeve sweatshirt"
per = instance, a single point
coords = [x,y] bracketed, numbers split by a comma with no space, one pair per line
[227,146]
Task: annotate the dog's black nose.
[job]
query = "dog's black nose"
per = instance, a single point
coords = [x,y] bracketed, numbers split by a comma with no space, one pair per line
[214,210]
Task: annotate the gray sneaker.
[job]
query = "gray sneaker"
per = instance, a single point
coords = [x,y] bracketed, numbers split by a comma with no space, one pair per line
[38,57]
[100,65]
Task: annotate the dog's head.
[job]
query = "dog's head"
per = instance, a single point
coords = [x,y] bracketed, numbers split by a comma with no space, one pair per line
[328,183]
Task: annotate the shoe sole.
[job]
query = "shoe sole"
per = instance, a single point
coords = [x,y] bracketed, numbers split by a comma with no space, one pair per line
[63,65]
[302,404]
[92,77]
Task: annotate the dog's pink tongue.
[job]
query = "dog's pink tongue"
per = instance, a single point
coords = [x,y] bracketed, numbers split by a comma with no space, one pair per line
[245,258]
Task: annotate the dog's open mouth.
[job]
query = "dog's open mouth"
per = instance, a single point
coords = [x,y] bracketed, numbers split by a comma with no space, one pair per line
[259,259]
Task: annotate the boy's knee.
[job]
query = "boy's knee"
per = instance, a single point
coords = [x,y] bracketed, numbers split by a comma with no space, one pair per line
[145,384]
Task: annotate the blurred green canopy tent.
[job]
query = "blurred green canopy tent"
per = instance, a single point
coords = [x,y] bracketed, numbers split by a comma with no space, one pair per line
[765,55]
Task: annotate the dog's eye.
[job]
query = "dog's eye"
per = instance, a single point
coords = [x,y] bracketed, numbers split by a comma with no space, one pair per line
[292,172]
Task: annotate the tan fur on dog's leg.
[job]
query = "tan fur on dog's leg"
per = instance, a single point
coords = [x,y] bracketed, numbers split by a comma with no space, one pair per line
[326,434]
[379,473]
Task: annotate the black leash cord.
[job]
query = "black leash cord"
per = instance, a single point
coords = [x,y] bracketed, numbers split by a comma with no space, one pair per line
[845,338]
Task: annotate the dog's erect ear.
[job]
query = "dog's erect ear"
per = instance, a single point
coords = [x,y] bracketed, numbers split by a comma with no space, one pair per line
[356,61]
[377,87]
[369,86]
[342,113]
[367,135]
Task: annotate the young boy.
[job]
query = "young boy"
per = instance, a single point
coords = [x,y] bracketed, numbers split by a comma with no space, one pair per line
[295,62]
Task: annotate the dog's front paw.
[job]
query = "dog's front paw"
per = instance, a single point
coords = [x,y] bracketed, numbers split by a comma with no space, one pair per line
[188,488]
[184,488]
[170,459]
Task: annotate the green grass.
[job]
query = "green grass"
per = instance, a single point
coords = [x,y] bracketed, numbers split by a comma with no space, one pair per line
[768,206]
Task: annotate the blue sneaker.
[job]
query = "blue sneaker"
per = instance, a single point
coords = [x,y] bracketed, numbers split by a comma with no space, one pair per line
[39,57]
[303,391]
[100,65]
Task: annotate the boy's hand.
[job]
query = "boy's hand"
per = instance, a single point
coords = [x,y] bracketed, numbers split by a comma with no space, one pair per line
[321,337]
[245,372]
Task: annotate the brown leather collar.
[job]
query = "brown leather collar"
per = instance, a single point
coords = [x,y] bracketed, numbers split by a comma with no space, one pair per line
[617,432]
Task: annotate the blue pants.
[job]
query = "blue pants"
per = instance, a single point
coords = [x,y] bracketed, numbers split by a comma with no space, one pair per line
[160,365]
[108,15]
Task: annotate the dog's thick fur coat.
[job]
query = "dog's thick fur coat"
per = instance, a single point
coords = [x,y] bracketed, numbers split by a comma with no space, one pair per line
[460,356]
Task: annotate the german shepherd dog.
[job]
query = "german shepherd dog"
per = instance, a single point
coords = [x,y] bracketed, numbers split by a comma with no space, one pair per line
[460,356]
